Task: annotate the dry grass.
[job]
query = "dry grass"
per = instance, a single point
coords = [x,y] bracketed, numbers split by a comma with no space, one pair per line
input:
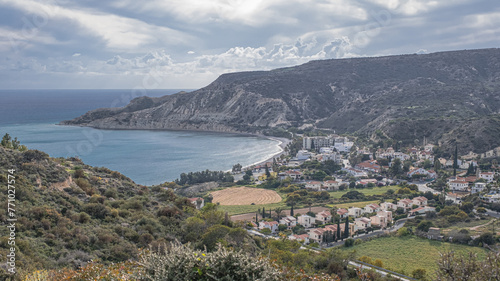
[245,196]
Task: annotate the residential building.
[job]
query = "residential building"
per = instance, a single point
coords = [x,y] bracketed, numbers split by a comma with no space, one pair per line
[355,172]
[314,185]
[420,201]
[371,208]
[386,214]
[293,174]
[458,185]
[387,206]
[289,221]
[301,238]
[370,166]
[317,142]
[405,204]
[422,210]
[316,234]
[478,187]
[343,213]
[491,197]
[488,176]
[380,221]
[363,223]
[303,155]
[323,217]
[420,171]
[331,185]
[355,212]
[434,233]
[306,221]
[272,225]
[198,202]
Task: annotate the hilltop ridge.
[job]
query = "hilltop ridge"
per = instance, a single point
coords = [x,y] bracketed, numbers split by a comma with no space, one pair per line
[446,97]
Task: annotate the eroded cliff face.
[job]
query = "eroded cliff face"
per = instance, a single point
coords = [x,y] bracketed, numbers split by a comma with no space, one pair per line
[407,97]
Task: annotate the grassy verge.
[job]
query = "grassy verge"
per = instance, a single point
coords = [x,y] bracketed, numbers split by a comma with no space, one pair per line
[243,209]
[352,204]
[366,191]
[405,254]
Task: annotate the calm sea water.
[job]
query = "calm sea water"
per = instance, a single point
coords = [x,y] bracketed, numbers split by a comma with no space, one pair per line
[147,157]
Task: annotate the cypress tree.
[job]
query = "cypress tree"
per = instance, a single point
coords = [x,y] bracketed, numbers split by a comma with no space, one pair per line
[291,211]
[347,227]
[263,212]
[455,160]
[338,231]
[256,218]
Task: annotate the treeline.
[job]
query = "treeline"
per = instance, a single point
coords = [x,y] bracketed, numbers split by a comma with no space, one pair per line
[204,176]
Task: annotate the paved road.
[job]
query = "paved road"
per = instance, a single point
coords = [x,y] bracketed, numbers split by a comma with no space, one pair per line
[362,266]
[492,213]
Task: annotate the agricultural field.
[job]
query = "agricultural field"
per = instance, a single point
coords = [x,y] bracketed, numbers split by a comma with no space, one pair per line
[245,196]
[405,254]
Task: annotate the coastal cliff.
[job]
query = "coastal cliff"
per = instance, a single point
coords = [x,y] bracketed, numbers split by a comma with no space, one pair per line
[446,97]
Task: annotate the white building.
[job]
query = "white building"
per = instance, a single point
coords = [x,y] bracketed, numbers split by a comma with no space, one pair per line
[488,176]
[289,221]
[478,187]
[314,185]
[324,217]
[303,155]
[355,212]
[272,225]
[363,223]
[306,221]
[371,208]
[387,206]
[458,185]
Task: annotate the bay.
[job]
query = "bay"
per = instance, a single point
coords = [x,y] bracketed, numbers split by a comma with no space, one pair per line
[146,156]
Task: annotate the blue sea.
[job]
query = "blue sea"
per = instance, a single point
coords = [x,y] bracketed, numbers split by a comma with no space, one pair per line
[147,157]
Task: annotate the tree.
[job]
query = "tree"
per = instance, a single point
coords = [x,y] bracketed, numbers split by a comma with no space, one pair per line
[455,160]
[263,212]
[427,164]
[396,169]
[268,174]
[468,267]
[6,141]
[338,231]
[279,212]
[437,165]
[291,211]
[237,168]
[346,231]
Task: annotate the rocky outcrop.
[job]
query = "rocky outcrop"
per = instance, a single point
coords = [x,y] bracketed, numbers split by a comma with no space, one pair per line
[407,97]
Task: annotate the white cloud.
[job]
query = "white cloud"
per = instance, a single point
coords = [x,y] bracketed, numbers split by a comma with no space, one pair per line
[119,33]
[76,55]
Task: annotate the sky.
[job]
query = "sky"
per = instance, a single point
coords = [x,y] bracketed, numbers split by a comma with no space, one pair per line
[186,44]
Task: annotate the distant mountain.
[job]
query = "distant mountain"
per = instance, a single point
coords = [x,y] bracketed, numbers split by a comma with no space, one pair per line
[441,96]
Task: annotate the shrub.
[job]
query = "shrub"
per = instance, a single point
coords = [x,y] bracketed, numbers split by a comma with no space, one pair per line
[180,262]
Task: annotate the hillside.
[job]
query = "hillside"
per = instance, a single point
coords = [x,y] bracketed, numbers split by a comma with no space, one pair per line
[69,213]
[440,96]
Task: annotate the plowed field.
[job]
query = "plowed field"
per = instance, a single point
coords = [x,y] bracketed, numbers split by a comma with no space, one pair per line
[245,196]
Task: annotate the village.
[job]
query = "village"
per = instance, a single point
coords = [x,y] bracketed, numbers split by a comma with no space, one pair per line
[361,167]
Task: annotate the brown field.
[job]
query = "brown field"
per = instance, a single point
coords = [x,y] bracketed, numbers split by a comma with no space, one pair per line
[245,196]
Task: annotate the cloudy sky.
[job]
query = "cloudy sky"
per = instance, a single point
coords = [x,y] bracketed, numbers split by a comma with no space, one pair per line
[123,44]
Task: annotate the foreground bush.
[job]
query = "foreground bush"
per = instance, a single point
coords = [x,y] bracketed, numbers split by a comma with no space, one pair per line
[178,262]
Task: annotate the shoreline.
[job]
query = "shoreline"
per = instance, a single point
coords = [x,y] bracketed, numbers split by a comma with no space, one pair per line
[282,143]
